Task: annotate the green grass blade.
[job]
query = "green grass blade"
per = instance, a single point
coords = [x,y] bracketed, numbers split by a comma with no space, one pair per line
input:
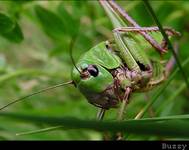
[51,22]
[174,126]
[171,98]
[39,131]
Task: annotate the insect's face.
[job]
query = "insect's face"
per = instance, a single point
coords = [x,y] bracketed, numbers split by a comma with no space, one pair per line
[92,80]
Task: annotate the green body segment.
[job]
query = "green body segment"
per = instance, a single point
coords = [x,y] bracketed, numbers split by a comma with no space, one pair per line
[158,73]
[134,45]
[102,56]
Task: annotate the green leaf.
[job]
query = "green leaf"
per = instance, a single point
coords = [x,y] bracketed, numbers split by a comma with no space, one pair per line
[71,24]
[51,23]
[6,23]
[15,35]
[40,130]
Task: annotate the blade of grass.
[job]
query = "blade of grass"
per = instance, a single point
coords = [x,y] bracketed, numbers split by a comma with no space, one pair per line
[39,131]
[179,117]
[174,126]
[150,9]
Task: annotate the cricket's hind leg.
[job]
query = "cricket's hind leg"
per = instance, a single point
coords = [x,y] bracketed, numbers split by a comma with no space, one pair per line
[169,31]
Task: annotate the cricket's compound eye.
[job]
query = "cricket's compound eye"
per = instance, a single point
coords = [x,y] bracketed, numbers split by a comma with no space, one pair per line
[93,70]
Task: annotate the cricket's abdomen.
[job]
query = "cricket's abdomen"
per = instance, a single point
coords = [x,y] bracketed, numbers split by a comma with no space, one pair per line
[158,76]
[139,81]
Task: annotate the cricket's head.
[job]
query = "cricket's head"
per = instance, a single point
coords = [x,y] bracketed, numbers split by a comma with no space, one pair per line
[91,77]
[92,80]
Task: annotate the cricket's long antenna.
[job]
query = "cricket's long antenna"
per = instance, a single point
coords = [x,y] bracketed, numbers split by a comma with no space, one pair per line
[41,91]
[71,54]
[73,40]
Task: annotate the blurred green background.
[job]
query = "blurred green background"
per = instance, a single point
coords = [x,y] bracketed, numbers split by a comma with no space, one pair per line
[34,44]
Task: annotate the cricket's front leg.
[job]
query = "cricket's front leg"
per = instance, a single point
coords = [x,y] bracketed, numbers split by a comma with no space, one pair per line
[101,113]
[124,102]
[100,116]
